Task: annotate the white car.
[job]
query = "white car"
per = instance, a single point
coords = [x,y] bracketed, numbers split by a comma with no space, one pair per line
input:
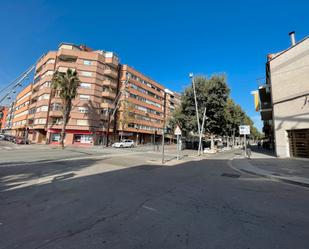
[124,144]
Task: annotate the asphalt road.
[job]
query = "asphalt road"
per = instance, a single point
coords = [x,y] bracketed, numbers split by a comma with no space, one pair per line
[198,205]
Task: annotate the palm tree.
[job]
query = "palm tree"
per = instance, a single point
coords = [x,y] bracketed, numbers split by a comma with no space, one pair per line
[66,85]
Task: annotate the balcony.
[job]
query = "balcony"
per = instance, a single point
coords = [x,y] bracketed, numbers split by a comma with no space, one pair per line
[111,73]
[110,83]
[66,55]
[108,94]
[55,113]
[111,58]
[107,105]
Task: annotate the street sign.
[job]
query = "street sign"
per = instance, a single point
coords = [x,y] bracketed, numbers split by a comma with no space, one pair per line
[244,130]
[177,131]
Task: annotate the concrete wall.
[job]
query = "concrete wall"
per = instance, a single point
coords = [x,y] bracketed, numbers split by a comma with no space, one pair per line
[290,90]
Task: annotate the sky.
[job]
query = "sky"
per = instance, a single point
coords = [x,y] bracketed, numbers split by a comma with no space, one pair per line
[164,39]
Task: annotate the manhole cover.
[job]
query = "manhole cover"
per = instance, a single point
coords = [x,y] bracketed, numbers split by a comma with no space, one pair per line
[230,175]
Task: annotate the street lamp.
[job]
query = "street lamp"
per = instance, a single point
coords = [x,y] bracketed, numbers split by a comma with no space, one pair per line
[196,109]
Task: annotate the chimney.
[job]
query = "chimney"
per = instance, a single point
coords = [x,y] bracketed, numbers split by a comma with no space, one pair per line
[292,37]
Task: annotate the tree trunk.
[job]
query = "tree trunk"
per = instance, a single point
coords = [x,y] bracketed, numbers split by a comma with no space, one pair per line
[66,113]
[212,142]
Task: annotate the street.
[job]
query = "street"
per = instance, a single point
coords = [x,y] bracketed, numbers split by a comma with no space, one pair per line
[127,200]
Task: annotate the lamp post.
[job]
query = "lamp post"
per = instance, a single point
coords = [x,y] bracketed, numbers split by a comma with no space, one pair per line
[196,110]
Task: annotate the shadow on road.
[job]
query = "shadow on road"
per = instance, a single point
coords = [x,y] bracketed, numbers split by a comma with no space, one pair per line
[13,176]
[186,206]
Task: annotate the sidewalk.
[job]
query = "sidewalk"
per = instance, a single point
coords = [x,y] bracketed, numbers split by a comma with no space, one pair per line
[295,171]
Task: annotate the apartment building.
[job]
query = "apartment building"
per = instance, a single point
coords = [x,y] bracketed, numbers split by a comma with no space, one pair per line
[3,114]
[140,115]
[140,101]
[19,119]
[7,128]
[172,102]
[285,99]
[98,73]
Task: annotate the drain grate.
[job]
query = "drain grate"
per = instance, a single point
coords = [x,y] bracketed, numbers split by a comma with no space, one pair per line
[230,175]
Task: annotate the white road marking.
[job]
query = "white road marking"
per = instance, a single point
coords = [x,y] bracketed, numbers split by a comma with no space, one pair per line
[149,208]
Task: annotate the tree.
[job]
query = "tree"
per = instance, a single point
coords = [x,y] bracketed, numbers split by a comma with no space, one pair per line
[235,117]
[127,115]
[66,85]
[223,115]
[212,93]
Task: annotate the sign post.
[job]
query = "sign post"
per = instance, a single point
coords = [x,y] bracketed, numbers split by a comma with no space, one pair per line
[244,130]
[177,132]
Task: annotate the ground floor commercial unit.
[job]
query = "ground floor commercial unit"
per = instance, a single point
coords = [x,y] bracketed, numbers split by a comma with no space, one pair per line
[90,138]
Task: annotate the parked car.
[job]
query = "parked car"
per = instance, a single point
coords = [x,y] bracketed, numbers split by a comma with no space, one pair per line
[9,138]
[21,140]
[124,144]
[2,136]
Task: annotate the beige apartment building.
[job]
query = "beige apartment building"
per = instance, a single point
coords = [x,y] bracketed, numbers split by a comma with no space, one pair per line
[286,96]
[114,101]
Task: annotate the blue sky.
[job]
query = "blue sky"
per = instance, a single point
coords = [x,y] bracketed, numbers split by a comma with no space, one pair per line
[163,39]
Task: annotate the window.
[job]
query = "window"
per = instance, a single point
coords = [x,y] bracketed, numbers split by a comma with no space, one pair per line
[40,121]
[43,108]
[88,63]
[45,84]
[44,96]
[50,61]
[85,85]
[56,107]
[32,111]
[47,73]
[55,137]
[81,122]
[81,138]
[84,97]
[85,73]
[57,121]
[83,109]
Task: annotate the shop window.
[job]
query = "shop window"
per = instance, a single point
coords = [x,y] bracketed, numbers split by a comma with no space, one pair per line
[83,139]
[55,137]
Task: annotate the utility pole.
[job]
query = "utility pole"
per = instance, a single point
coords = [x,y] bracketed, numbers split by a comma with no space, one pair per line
[196,110]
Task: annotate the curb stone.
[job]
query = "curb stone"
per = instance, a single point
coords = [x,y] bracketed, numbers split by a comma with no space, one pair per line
[245,166]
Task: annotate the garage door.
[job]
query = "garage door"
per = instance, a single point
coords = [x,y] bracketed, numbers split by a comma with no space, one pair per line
[299,143]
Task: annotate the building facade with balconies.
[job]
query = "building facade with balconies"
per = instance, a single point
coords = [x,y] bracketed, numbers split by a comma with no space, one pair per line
[114,101]
[140,115]
[3,115]
[21,111]
[98,73]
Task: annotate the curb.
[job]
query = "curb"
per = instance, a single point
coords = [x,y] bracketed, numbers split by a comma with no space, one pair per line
[250,169]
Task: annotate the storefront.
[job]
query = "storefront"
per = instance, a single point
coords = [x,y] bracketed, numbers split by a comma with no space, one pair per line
[75,137]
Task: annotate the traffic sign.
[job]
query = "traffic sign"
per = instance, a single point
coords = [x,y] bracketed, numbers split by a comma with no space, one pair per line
[177,131]
[244,130]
